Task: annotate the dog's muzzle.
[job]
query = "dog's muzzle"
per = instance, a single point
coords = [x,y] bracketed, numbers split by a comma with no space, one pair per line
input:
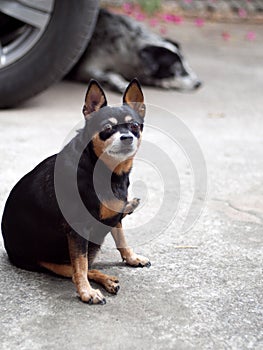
[123,146]
[126,139]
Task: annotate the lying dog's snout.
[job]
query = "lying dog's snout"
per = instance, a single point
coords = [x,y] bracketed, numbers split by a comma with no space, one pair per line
[126,139]
[198,84]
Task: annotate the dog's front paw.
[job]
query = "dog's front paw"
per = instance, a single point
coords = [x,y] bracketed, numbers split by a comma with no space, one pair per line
[166,84]
[136,260]
[131,206]
[112,285]
[92,296]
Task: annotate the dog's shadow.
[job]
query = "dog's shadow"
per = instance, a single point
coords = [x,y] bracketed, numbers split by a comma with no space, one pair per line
[106,265]
[49,283]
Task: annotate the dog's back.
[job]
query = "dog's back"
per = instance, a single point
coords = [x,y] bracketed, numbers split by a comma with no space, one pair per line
[26,238]
[112,46]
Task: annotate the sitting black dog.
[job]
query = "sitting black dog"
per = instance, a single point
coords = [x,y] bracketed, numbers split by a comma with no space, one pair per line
[37,235]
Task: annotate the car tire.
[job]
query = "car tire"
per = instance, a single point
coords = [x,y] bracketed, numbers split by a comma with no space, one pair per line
[53,55]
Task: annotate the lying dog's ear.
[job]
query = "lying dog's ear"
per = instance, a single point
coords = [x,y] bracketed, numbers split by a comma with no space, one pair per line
[133,97]
[154,56]
[175,43]
[95,98]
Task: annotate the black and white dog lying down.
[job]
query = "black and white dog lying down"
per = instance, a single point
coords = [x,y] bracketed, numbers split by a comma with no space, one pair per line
[122,49]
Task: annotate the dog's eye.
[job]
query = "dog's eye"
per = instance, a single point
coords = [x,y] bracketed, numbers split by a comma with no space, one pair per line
[134,126]
[178,69]
[107,127]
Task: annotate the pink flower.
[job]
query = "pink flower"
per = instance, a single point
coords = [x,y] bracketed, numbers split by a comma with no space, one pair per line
[199,22]
[167,17]
[251,36]
[139,16]
[242,13]
[226,36]
[178,19]
[127,7]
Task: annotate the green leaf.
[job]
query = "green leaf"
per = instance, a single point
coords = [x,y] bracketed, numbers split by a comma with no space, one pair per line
[150,6]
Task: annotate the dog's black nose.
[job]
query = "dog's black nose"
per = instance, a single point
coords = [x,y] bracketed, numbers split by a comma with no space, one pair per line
[126,139]
[197,85]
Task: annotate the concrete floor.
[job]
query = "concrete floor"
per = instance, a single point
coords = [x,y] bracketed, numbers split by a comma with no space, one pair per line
[206,297]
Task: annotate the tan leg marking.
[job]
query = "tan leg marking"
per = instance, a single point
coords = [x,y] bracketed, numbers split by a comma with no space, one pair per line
[127,253]
[61,270]
[110,283]
[79,264]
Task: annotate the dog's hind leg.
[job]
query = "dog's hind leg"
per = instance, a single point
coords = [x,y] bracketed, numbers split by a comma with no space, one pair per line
[110,283]
[61,270]
[127,253]
[114,80]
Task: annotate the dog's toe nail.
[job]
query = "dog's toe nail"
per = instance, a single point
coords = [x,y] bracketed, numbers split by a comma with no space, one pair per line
[103,301]
[117,288]
[90,302]
[148,264]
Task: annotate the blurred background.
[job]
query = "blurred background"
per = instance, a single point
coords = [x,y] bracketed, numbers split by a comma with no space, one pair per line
[224,10]
[205,297]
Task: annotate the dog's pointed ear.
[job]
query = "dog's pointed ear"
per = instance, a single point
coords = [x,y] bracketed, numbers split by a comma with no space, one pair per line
[95,98]
[133,97]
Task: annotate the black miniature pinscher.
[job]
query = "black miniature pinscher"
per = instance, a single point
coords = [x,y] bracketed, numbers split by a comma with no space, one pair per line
[37,234]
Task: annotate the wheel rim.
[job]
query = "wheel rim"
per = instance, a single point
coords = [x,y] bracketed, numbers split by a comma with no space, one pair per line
[34,17]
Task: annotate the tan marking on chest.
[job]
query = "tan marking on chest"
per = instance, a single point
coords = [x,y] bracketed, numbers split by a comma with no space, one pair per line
[109,209]
[123,167]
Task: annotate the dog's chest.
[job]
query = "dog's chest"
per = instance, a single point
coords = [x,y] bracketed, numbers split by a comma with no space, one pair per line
[113,206]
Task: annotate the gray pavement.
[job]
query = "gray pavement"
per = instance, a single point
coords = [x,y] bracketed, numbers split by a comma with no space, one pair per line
[206,297]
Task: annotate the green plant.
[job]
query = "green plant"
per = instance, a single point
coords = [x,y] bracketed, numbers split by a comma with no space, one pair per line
[150,6]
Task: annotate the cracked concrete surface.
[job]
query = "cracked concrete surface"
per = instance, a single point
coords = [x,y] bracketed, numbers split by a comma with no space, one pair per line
[210,297]
[246,214]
